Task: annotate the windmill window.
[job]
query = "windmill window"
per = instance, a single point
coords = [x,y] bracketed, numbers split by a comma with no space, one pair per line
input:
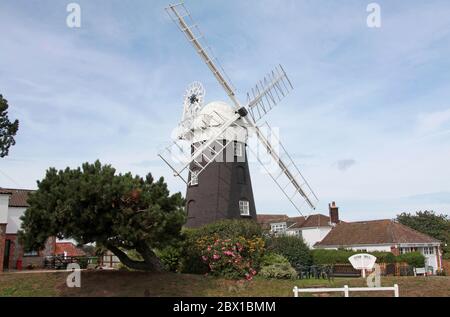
[194,178]
[238,149]
[244,207]
[190,207]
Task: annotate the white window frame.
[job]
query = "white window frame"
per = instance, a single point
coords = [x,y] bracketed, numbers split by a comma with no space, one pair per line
[238,149]
[244,208]
[194,178]
[278,227]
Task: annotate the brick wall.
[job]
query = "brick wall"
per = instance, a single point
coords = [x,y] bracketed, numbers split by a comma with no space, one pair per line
[2,244]
[446,266]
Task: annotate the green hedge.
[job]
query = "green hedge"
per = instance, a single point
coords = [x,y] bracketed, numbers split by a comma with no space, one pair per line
[415,259]
[292,248]
[321,257]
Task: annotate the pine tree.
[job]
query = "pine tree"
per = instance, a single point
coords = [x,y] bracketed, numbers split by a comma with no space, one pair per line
[93,204]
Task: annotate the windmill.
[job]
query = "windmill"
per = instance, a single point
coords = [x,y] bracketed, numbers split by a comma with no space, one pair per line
[209,151]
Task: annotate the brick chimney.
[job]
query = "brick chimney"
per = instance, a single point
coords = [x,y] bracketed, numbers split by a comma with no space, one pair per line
[334,213]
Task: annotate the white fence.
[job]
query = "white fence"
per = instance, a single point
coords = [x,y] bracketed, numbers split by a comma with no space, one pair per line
[346,290]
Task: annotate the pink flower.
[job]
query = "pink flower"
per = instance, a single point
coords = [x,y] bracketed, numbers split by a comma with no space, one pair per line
[216,257]
[205,258]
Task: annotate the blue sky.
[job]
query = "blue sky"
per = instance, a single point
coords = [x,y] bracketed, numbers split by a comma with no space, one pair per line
[368,121]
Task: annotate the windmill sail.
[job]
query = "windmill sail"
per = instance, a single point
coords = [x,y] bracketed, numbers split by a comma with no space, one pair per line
[285,173]
[182,17]
[268,93]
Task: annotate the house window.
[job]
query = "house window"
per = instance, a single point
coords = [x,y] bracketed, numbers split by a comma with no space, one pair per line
[405,250]
[244,207]
[238,149]
[194,178]
[428,251]
[278,227]
[31,253]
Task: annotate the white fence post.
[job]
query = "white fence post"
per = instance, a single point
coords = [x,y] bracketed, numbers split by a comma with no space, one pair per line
[296,291]
[346,292]
[396,291]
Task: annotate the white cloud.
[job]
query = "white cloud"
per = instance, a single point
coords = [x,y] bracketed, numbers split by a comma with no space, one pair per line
[433,121]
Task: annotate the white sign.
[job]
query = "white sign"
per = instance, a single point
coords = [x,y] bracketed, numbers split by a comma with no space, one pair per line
[362,262]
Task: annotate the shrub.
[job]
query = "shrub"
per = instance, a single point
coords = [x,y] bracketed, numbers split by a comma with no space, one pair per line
[273,258]
[170,257]
[384,257]
[191,256]
[228,229]
[231,258]
[278,271]
[292,248]
[415,259]
[321,257]
[83,262]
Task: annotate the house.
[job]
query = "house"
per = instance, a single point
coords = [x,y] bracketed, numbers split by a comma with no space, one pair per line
[312,229]
[13,203]
[385,236]
[68,249]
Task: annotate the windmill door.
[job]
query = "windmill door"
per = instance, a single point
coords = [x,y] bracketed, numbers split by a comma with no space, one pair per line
[7,254]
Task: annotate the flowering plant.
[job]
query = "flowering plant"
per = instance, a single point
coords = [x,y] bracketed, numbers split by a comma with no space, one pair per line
[235,258]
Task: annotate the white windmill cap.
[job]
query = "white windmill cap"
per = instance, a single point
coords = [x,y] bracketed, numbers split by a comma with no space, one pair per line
[212,117]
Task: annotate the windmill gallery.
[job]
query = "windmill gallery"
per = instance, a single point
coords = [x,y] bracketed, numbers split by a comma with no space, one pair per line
[211,146]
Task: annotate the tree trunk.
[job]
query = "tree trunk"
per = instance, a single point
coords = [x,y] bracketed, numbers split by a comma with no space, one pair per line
[151,262]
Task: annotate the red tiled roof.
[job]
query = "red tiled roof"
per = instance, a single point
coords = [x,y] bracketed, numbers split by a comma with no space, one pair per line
[373,232]
[68,247]
[18,197]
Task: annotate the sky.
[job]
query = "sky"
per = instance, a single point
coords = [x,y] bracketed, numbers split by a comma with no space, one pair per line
[368,121]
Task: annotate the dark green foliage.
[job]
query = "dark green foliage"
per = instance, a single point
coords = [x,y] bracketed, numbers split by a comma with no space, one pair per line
[430,223]
[8,129]
[415,259]
[83,262]
[94,204]
[384,257]
[227,229]
[321,257]
[292,248]
[271,258]
[170,257]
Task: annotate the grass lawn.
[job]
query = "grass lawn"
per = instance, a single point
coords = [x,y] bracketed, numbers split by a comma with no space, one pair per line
[137,284]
